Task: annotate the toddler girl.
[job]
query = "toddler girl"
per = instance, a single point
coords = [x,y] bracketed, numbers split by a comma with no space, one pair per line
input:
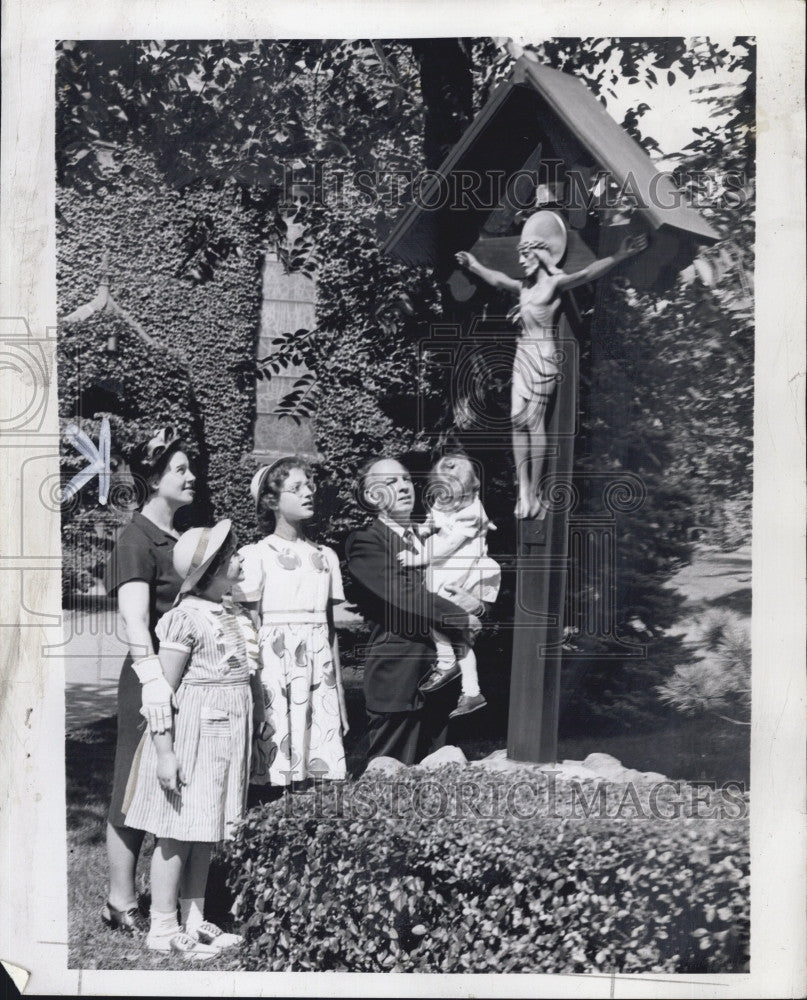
[188,785]
[456,556]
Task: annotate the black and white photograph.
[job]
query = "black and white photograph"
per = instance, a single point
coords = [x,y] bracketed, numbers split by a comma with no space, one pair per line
[400,462]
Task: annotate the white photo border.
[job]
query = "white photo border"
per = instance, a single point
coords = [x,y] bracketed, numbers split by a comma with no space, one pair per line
[33,931]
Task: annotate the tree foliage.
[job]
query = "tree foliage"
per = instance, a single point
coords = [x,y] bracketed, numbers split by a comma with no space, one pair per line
[141,228]
[230,133]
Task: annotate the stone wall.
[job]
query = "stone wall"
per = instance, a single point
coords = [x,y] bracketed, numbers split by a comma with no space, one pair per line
[288,305]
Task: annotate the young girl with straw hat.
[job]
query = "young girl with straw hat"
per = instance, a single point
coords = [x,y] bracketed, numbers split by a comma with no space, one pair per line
[188,785]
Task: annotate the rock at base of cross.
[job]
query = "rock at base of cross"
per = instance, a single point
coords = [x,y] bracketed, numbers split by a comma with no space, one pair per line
[449,754]
[596,767]
[384,765]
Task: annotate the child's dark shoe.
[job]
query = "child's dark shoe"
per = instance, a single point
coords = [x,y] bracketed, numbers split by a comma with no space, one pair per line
[468,703]
[436,679]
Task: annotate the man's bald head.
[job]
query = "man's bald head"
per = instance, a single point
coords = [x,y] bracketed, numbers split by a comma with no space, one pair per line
[385,487]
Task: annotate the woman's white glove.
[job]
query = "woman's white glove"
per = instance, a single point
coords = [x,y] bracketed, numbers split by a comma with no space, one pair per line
[158,700]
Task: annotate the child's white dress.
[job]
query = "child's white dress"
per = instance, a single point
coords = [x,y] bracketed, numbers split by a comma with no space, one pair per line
[468,567]
[293,583]
[212,728]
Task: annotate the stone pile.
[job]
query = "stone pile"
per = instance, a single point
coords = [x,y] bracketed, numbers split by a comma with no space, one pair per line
[596,766]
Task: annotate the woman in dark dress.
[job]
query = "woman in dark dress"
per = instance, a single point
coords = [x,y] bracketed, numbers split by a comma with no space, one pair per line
[141,573]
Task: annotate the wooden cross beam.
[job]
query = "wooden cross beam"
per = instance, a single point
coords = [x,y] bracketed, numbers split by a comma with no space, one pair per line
[544,113]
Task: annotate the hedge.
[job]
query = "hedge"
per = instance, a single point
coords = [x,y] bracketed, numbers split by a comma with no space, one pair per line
[400,876]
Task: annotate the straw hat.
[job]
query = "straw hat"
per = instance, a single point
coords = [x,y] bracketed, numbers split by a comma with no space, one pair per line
[195,551]
[256,485]
[548,228]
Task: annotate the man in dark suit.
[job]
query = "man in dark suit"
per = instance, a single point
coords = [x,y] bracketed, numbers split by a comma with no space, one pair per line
[402,723]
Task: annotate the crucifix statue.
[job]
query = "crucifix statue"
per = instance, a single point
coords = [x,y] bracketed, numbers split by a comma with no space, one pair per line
[535,366]
[543,119]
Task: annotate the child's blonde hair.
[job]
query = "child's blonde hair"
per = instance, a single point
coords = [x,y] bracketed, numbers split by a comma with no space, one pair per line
[453,479]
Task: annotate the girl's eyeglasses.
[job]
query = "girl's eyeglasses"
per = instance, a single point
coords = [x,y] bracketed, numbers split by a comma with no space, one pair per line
[299,487]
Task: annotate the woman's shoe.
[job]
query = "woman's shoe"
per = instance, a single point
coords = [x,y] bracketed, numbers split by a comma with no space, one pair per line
[129,921]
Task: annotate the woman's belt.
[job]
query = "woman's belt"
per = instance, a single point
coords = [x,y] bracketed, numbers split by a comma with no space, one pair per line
[294,618]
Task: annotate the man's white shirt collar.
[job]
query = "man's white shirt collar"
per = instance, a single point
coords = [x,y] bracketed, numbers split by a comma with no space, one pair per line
[400,531]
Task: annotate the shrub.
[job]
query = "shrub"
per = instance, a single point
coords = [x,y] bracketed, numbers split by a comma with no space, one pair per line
[734,523]
[397,876]
[720,681]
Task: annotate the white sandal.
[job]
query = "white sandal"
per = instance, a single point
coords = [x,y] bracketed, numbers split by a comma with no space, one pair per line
[214,937]
[182,944]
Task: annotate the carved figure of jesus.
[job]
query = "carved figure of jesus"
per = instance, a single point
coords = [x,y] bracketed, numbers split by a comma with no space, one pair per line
[535,367]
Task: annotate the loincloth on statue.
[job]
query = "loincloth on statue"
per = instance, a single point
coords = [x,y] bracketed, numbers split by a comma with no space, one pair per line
[535,370]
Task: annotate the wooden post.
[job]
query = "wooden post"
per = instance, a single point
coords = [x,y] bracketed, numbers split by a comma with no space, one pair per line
[541,570]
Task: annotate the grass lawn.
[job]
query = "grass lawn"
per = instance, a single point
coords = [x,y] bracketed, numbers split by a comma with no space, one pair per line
[90,754]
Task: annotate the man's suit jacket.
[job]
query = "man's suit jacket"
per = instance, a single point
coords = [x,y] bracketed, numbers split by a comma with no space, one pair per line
[403,612]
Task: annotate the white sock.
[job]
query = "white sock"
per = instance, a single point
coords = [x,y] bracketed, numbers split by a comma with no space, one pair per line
[445,652]
[470,681]
[163,924]
[193,913]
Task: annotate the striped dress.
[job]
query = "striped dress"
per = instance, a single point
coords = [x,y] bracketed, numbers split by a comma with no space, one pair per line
[212,728]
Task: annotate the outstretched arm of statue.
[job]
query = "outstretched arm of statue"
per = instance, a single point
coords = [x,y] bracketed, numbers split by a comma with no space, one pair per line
[496,279]
[629,247]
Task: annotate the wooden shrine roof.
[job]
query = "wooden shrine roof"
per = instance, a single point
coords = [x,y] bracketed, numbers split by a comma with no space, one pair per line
[503,136]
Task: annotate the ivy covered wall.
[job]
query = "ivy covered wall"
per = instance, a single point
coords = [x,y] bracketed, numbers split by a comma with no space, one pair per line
[159,255]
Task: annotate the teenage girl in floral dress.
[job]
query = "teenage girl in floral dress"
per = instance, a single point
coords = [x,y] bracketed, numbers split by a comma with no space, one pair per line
[291,585]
